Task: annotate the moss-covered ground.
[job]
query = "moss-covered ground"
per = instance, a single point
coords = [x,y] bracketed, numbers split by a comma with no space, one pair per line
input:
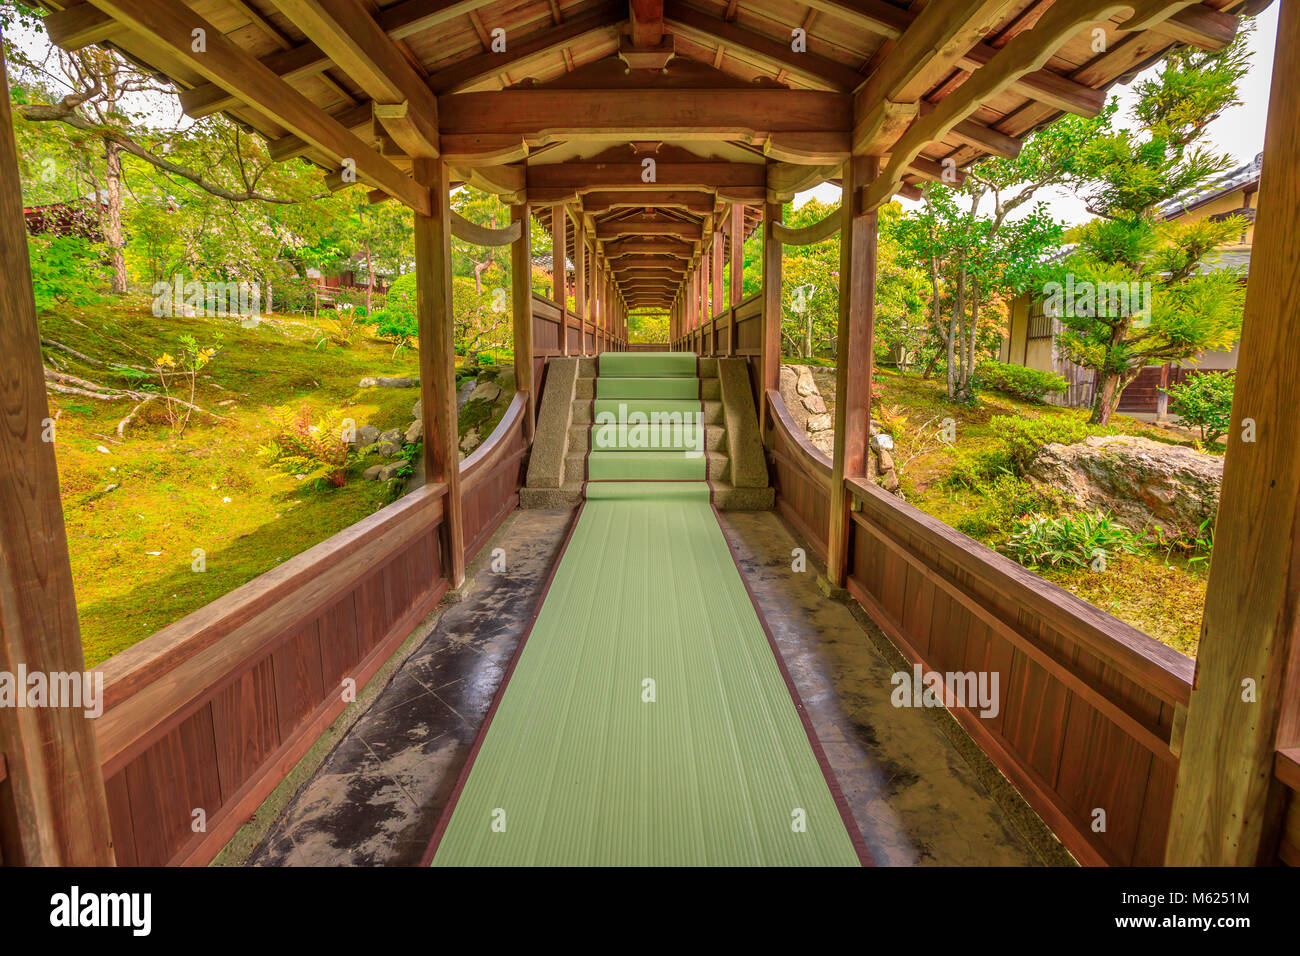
[1160,591]
[137,506]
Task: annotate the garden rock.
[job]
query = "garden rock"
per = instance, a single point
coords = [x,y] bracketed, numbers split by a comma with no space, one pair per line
[366,435]
[390,383]
[390,443]
[415,432]
[485,392]
[1139,481]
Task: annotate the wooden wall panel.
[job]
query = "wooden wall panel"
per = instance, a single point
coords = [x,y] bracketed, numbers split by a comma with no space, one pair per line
[1087,703]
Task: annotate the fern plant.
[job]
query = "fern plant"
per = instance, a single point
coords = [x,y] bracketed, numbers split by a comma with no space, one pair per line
[315,452]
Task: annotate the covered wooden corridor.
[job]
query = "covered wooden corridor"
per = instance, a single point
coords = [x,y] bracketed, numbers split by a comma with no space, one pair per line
[650,139]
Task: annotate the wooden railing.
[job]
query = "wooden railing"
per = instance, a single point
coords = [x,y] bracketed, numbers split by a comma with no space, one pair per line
[551,323]
[1090,710]
[204,718]
[801,475]
[735,331]
[490,477]
[1286,767]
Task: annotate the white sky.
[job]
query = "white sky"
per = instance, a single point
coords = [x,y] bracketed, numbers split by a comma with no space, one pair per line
[1238,132]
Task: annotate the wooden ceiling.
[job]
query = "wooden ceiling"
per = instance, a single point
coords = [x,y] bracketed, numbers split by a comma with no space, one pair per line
[569,103]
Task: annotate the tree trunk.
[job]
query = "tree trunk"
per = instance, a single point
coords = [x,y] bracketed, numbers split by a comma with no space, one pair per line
[370,269]
[1110,385]
[113,235]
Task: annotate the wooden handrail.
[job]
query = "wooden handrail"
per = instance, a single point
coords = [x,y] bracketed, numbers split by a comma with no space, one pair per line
[160,681]
[484,455]
[1159,669]
[814,462]
[467,231]
[146,661]
[807,235]
[1286,767]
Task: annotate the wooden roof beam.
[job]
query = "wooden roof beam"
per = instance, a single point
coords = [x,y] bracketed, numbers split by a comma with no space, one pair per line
[1024,54]
[930,49]
[619,228]
[693,202]
[652,247]
[399,21]
[225,63]
[358,45]
[647,22]
[645,114]
[808,66]
[79,26]
[482,66]
[596,176]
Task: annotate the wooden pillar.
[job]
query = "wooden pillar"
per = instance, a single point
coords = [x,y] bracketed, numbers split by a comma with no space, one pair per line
[737,271]
[1246,703]
[438,357]
[521,294]
[719,247]
[559,271]
[580,283]
[852,357]
[770,362]
[52,806]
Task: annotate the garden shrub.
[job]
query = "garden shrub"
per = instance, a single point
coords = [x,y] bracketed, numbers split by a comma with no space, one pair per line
[66,270]
[1023,437]
[1031,384]
[999,501]
[1204,401]
[1069,541]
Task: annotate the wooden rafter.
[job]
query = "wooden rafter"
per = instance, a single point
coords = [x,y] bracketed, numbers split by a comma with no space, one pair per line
[354,40]
[224,63]
[471,70]
[807,65]
[1025,54]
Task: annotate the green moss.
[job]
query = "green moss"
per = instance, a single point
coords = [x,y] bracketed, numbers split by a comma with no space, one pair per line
[966,485]
[132,547]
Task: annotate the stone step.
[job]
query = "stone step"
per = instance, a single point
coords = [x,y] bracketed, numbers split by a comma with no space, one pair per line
[580,438]
[710,389]
[728,498]
[566,496]
[582,412]
[719,467]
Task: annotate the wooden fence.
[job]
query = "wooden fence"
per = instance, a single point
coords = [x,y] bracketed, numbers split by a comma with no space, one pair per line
[204,718]
[1091,710]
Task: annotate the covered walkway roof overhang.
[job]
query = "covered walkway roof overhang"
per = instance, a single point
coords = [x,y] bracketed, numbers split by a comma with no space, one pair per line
[659,122]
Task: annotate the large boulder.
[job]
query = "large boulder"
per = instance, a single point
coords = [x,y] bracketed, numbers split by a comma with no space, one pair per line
[1141,482]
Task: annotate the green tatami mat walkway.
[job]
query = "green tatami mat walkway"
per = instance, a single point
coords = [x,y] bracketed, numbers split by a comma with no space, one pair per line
[645,719]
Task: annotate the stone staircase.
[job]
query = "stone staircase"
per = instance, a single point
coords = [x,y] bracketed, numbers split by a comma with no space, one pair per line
[556,474]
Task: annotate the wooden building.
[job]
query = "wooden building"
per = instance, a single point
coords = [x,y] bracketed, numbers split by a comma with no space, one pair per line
[648,134]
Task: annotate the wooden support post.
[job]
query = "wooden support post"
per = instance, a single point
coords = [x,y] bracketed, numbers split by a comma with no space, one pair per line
[737,271]
[52,806]
[719,247]
[1245,704]
[770,363]
[438,357]
[580,284]
[521,295]
[852,358]
[560,271]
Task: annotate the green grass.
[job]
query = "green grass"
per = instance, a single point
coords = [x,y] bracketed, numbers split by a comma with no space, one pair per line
[1157,592]
[132,547]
